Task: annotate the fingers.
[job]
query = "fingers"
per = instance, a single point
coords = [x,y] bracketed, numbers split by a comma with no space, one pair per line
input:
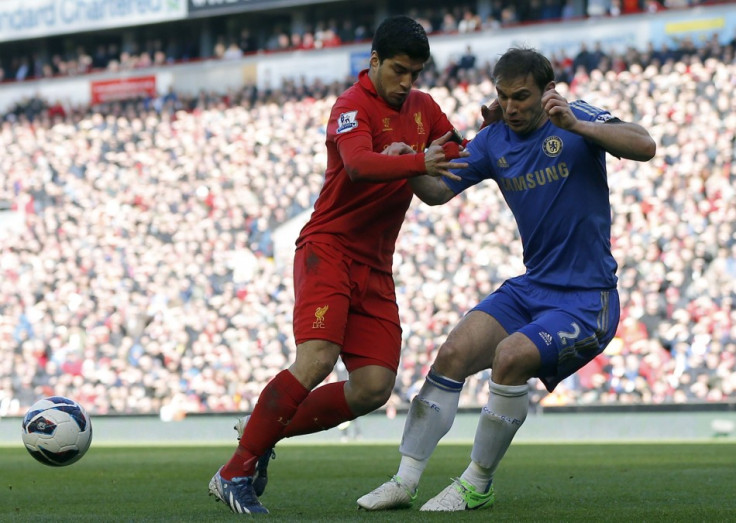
[439,154]
[442,139]
[452,150]
[552,98]
[491,113]
[443,169]
[452,176]
[445,153]
[397,148]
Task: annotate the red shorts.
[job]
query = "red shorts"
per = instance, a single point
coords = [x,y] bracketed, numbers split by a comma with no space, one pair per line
[348,303]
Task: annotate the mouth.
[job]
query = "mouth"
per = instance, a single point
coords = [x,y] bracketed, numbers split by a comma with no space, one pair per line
[401,96]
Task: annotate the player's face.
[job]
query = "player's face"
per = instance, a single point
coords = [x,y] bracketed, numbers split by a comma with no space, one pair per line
[521,104]
[394,77]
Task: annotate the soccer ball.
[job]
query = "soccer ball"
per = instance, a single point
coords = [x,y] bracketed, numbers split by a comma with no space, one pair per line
[57,431]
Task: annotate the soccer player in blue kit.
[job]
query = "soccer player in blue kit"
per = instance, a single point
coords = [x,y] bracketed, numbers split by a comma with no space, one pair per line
[548,158]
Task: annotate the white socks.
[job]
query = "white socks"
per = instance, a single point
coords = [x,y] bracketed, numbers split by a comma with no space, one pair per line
[505,412]
[431,415]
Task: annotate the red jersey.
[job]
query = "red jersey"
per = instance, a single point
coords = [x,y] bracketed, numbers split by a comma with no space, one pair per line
[362,219]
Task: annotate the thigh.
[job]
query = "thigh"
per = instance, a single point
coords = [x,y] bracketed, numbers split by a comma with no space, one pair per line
[373,331]
[570,329]
[321,294]
[508,305]
[470,347]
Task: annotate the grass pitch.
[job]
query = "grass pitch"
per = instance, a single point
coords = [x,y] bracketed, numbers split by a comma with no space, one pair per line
[540,483]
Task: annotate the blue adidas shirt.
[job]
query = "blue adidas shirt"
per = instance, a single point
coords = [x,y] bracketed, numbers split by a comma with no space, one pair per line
[555,183]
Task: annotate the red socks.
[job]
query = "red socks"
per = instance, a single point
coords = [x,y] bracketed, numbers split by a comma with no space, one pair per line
[276,406]
[324,408]
[286,408]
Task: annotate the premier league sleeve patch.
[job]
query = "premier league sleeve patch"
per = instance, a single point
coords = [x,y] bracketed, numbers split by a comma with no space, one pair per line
[347,122]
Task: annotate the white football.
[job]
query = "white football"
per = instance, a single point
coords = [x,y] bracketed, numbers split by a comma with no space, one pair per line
[57,431]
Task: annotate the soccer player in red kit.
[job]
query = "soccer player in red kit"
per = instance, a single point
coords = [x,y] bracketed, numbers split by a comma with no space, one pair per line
[345,302]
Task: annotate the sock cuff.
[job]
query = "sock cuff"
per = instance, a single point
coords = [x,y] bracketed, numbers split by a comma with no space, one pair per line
[509,391]
[340,401]
[291,386]
[444,383]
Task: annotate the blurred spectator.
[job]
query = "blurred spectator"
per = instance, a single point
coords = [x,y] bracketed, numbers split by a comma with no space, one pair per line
[467,60]
[469,23]
[614,9]
[571,10]
[233,52]
[597,8]
[653,6]
[551,10]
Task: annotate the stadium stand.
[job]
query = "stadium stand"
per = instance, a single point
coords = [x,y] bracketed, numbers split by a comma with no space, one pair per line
[142,274]
[313,26]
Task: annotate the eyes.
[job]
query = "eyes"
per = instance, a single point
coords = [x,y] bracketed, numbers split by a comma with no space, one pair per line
[403,71]
[519,97]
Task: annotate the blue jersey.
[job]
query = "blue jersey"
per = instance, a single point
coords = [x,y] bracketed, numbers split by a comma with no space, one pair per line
[555,183]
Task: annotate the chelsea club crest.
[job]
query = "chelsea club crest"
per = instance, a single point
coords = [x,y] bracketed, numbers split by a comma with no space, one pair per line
[552,146]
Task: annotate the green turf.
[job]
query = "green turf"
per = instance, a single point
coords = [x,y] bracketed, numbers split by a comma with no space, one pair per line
[627,483]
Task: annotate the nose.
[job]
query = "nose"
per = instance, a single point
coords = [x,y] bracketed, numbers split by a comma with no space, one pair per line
[406,81]
[510,107]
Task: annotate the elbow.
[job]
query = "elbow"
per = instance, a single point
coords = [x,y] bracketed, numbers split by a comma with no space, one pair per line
[431,201]
[651,149]
[647,150]
[355,174]
[643,151]
[434,199]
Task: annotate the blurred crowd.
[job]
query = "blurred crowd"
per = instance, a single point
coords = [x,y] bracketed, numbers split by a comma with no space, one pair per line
[233,41]
[142,270]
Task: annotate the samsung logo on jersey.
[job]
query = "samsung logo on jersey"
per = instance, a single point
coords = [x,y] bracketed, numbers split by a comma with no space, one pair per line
[536,179]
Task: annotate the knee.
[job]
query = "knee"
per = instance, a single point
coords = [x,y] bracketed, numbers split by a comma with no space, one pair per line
[451,361]
[514,364]
[367,397]
[311,372]
[375,397]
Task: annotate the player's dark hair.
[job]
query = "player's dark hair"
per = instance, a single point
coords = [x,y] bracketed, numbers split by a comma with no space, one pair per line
[519,62]
[401,35]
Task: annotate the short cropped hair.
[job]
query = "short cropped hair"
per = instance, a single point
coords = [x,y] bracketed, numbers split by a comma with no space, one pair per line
[520,62]
[401,35]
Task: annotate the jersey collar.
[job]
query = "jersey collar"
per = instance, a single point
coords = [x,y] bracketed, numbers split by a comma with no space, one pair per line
[366,83]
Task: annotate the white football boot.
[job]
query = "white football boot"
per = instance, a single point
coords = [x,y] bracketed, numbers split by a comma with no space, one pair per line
[392,494]
[459,496]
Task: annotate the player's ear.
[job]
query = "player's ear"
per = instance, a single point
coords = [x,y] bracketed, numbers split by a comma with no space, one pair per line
[549,87]
[374,61]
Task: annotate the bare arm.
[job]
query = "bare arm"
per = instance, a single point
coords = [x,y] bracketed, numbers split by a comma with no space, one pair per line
[431,190]
[621,139]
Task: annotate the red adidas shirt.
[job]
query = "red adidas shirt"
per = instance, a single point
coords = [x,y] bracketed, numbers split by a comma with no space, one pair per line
[363,219]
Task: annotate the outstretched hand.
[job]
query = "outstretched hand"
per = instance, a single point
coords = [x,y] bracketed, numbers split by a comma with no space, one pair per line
[438,156]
